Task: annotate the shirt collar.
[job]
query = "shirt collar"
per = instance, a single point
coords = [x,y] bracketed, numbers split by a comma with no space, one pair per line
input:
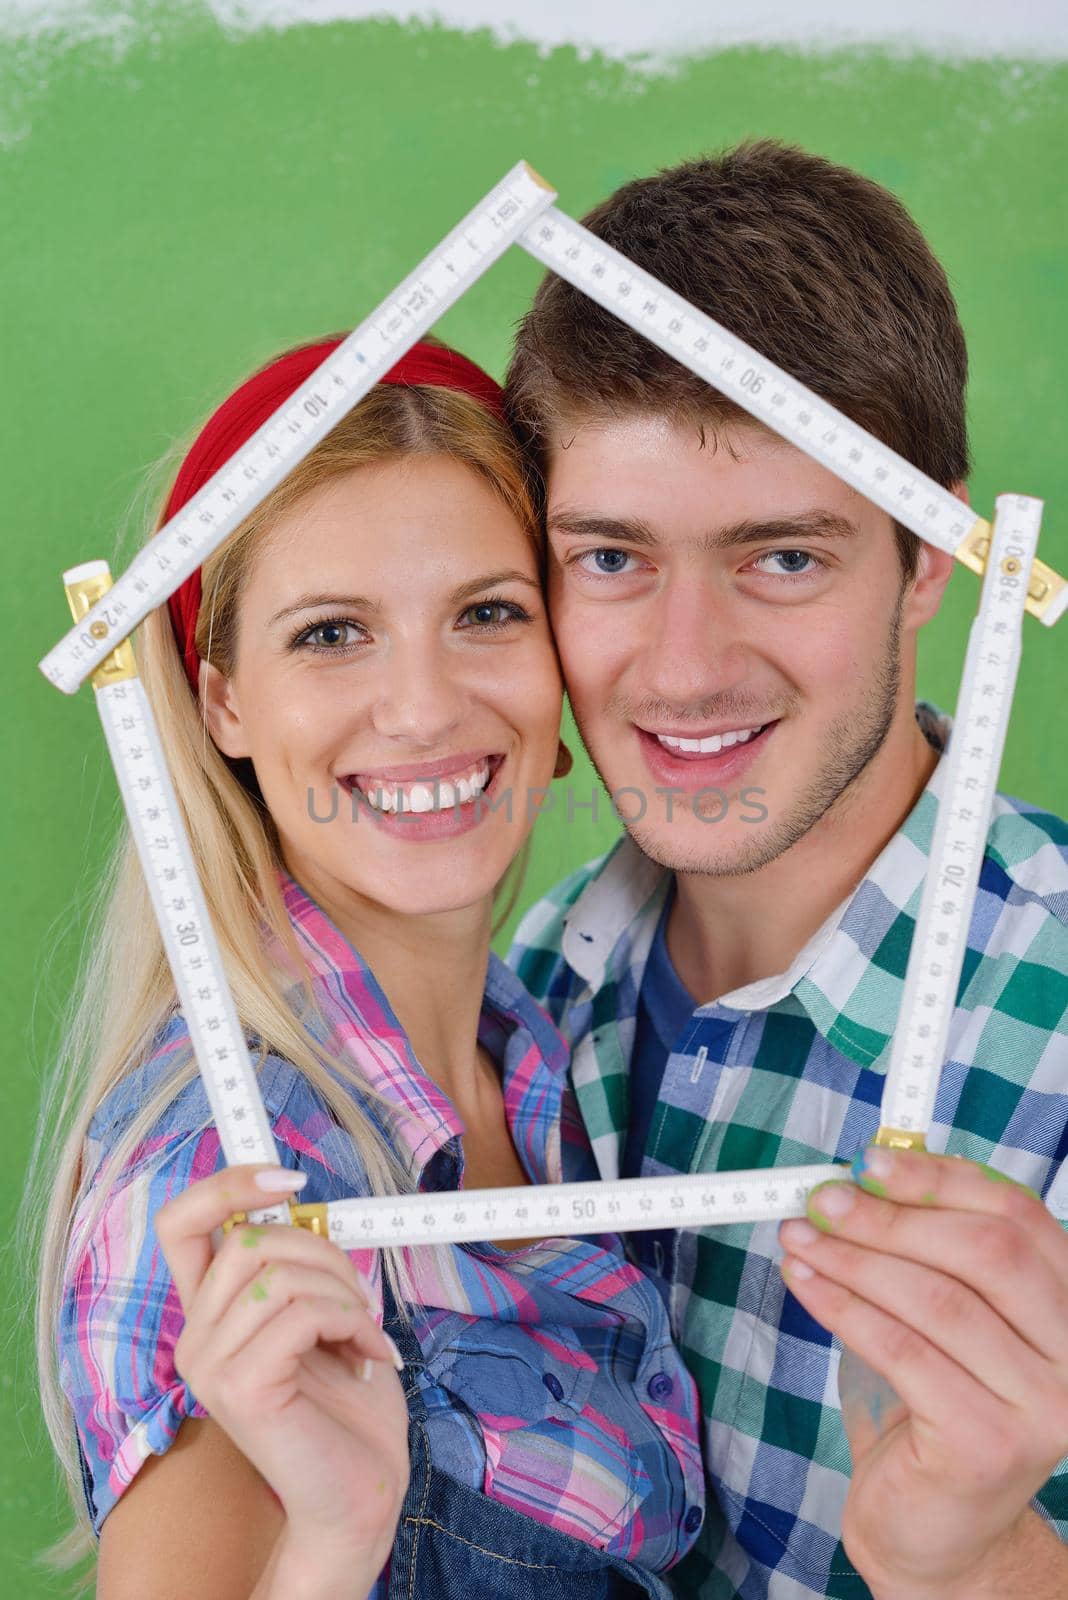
[617,911]
[853,998]
[627,891]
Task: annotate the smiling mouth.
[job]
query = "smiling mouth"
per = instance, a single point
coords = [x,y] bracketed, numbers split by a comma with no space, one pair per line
[418,795]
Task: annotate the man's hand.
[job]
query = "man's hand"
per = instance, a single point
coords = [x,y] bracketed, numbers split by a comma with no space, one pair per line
[951,1282]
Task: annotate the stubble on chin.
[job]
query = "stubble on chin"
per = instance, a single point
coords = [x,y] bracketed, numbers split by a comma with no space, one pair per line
[847,749]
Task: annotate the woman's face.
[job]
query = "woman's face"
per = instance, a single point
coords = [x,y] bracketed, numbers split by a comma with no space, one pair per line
[396,686]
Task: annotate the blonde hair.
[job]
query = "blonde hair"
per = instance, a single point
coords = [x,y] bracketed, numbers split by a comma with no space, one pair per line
[125,992]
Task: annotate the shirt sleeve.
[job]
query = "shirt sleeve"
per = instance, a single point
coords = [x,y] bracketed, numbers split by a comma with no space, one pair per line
[1051,1502]
[121,1316]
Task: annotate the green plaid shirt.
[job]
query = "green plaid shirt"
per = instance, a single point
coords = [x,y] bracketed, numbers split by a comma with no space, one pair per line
[790,1070]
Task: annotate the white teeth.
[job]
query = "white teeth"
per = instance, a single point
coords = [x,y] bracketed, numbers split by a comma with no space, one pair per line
[710,746]
[437,794]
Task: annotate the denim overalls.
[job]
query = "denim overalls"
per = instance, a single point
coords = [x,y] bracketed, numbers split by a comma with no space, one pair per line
[454,1543]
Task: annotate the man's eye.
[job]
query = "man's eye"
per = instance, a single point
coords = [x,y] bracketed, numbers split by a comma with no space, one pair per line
[607,563]
[794,563]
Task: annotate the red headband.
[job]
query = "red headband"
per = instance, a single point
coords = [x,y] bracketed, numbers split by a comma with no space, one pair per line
[248,408]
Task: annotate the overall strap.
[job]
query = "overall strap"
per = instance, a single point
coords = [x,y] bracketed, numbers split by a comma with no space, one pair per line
[403,1334]
[457,1543]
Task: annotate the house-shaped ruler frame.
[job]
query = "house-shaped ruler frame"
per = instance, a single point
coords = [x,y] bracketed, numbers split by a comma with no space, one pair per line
[519,210]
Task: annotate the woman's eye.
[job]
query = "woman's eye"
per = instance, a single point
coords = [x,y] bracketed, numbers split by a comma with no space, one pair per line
[324,636]
[493,614]
[607,563]
[794,560]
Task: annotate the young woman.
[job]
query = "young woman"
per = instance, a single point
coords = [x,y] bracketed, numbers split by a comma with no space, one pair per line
[357,694]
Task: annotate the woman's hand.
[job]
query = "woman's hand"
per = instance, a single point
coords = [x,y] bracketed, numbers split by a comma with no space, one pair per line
[281,1347]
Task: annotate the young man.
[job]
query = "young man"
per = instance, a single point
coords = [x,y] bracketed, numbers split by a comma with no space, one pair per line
[738,632]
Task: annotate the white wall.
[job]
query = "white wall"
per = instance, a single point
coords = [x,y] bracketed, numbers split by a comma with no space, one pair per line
[656,28]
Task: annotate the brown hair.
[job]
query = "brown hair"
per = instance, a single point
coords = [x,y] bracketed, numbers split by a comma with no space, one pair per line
[818,268]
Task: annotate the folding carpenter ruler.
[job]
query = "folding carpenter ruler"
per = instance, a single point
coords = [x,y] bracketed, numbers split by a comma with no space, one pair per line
[519,210]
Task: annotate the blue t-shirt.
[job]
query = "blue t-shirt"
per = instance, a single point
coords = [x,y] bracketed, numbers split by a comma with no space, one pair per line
[665,1006]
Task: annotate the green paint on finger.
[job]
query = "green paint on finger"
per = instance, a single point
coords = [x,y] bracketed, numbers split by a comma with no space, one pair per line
[865,1178]
[258,1291]
[1001,1177]
[929,1199]
[252,1236]
[818,1220]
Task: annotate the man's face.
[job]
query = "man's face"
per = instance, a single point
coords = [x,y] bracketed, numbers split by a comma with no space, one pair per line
[729,618]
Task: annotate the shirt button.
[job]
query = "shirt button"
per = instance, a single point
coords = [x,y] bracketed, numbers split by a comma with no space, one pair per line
[554,1386]
[693,1519]
[660,1386]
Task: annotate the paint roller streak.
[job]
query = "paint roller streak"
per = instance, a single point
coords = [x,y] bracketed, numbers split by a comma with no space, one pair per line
[621,29]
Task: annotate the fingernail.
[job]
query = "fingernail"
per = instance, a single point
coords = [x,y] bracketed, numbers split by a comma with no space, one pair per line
[792,1268]
[367,1369]
[800,1233]
[398,1359]
[830,1203]
[279,1180]
[871,1168]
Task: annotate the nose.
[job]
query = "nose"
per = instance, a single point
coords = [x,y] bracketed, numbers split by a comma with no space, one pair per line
[420,699]
[693,650]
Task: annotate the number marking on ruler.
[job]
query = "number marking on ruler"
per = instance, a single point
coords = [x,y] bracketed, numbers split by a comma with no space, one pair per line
[564,1209]
[970,773]
[178,901]
[300,422]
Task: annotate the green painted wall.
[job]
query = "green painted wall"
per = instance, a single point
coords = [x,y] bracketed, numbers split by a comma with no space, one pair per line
[174,216]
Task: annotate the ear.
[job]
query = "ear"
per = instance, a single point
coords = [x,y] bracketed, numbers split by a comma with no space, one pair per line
[221,712]
[934,568]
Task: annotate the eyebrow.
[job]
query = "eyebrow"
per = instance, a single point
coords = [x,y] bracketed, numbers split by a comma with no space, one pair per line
[308,602]
[631,530]
[493,580]
[359,602]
